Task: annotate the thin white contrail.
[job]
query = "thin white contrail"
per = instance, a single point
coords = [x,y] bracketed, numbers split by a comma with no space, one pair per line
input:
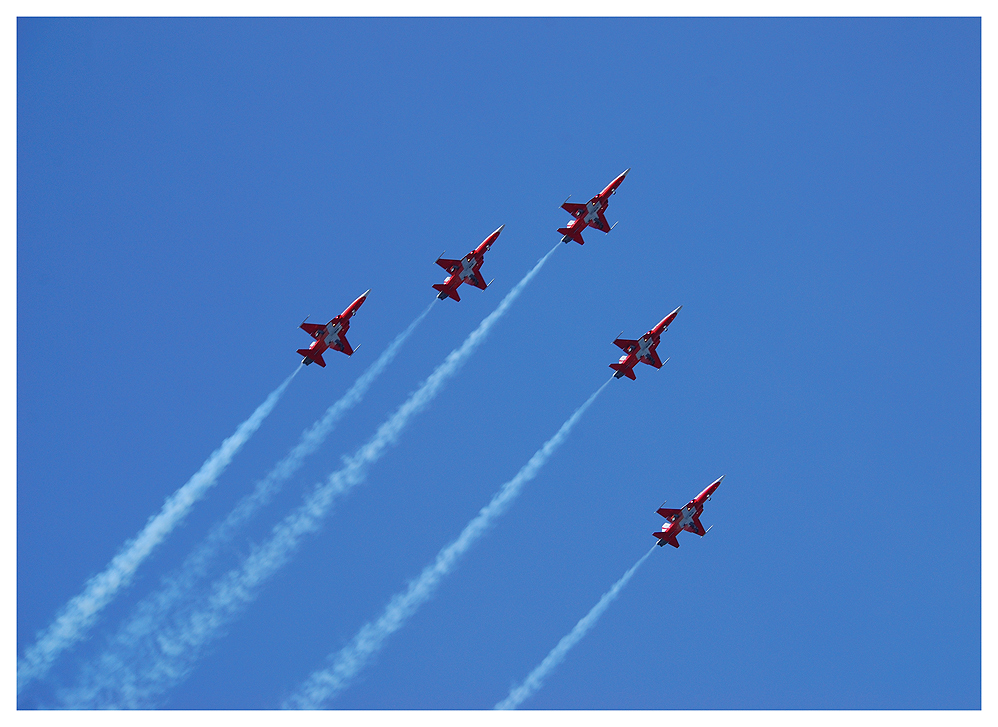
[77,616]
[172,654]
[535,680]
[325,684]
[177,586]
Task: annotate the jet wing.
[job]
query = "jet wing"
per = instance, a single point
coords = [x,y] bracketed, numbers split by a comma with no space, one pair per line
[311,328]
[576,210]
[696,527]
[625,343]
[652,359]
[447,264]
[669,513]
[342,344]
[477,280]
[600,223]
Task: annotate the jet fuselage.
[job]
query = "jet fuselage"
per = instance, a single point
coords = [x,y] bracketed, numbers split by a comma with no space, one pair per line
[642,349]
[589,214]
[331,335]
[686,518]
[465,270]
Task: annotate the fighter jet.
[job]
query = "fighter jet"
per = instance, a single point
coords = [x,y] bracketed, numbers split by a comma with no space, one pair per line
[589,214]
[331,335]
[643,349]
[465,270]
[686,519]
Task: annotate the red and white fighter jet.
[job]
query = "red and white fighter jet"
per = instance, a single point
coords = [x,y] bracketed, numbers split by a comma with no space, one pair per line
[465,270]
[686,519]
[332,335]
[643,349]
[589,214]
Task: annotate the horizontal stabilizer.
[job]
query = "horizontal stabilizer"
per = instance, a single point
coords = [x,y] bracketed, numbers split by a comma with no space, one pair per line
[573,234]
[445,293]
[663,539]
[312,356]
[623,371]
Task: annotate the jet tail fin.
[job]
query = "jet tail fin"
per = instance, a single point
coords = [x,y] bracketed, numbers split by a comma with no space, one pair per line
[622,371]
[444,294]
[311,357]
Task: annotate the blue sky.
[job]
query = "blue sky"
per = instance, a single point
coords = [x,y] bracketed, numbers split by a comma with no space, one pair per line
[809,190]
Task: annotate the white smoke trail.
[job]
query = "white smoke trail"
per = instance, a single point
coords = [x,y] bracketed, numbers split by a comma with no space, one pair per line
[175,650]
[536,678]
[176,587]
[77,616]
[325,684]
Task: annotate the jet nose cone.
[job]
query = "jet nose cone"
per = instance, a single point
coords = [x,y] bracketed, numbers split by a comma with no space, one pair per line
[500,228]
[365,293]
[624,174]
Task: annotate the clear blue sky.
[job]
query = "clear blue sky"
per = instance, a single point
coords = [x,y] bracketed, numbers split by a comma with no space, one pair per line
[809,190]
